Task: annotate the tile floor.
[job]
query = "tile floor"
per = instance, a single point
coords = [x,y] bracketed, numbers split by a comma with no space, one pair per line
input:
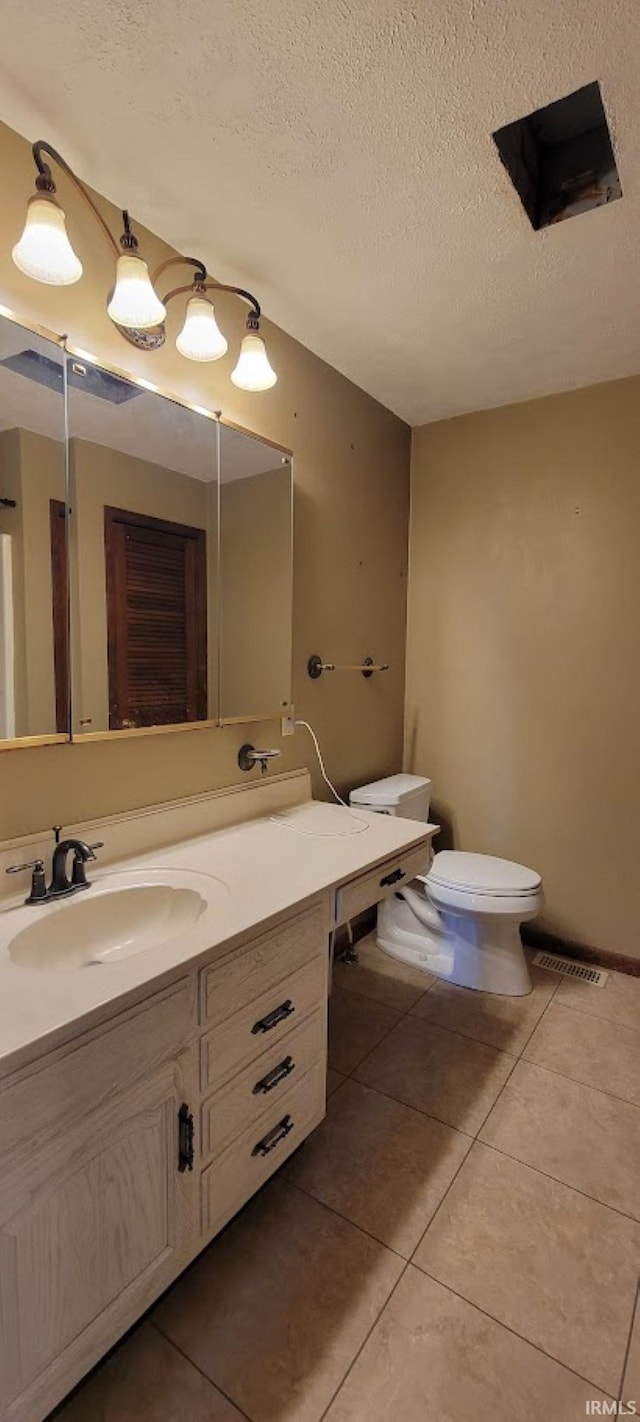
[459,1241]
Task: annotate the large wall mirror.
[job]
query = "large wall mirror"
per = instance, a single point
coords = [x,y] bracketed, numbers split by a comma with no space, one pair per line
[143,553]
[256,577]
[34,662]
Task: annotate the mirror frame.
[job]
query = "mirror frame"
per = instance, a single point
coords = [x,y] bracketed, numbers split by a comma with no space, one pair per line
[212,723]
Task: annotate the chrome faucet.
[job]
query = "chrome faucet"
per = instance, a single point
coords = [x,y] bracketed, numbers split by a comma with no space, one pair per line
[248,756]
[61,885]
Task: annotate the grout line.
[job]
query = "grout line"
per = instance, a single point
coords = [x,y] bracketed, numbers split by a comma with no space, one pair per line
[604,1204]
[345,1218]
[196,1367]
[598,1016]
[363,1344]
[625,1361]
[518,1059]
[578,1081]
[408,1106]
[513,1331]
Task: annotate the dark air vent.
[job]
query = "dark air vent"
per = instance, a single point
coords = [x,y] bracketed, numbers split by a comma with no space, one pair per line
[560,159]
[89,378]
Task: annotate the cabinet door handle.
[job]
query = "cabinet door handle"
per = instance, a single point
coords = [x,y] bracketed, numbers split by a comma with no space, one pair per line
[273,1138]
[274,1077]
[393,878]
[265,1024]
[185,1139]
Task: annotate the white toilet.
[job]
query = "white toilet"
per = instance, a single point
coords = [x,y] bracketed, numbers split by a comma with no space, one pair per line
[460,920]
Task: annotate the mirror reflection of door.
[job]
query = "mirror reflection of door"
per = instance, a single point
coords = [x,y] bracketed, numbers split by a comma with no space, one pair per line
[156,620]
[143,555]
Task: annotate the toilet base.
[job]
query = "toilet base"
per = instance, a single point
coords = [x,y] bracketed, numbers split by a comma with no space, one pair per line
[474,951]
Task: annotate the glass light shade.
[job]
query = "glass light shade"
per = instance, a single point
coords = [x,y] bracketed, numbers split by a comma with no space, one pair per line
[134,302]
[253,371]
[201,337]
[44,251]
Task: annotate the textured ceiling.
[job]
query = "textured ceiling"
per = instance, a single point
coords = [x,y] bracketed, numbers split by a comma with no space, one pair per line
[336,156]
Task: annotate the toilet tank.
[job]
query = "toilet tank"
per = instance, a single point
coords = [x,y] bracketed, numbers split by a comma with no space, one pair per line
[404,795]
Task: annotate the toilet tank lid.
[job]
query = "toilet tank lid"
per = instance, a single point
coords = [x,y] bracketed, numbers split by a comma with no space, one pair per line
[394,790]
[481,873]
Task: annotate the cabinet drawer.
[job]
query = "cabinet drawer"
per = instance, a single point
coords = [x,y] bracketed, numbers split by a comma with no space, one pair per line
[259,1088]
[253,969]
[263,1023]
[244,1167]
[371,888]
[89,1071]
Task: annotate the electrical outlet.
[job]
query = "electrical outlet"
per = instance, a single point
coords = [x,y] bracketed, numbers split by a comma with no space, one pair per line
[288,726]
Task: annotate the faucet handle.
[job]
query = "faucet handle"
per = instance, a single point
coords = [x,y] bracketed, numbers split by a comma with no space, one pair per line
[39,893]
[99,844]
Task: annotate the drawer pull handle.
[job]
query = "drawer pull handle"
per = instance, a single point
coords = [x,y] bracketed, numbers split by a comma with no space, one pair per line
[273,1138]
[273,1018]
[185,1139]
[274,1077]
[393,878]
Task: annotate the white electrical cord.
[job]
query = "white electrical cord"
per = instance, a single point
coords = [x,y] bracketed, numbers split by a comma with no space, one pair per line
[317,833]
[323,772]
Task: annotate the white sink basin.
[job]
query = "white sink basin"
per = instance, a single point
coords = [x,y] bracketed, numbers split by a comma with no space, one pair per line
[120,915]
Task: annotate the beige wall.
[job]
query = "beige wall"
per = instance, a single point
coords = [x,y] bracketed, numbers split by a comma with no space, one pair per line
[523,670]
[351,470]
[255,586]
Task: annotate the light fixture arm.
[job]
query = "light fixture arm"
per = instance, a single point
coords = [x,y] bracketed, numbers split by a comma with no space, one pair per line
[46,184]
[207,284]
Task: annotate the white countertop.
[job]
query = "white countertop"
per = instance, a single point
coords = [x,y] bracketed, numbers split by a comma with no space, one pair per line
[268,865]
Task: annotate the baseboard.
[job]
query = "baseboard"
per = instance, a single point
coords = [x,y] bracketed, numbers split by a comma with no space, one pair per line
[617,962]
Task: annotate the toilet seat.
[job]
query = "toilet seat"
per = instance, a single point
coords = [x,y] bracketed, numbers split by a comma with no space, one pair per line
[480,875]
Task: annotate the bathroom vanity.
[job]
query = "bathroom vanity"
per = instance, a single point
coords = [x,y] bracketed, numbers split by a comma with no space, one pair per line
[147,1092]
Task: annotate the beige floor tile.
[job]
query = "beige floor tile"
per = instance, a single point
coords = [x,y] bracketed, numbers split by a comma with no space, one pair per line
[581,1136]
[381,1164]
[276,1309]
[434,1358]
[382,978]
[559,1269]
[356,1024]
[147,1380]
[449,1076]
[631,1384]
[589,1049]
[618,1000]
[334,1080]
[505,1022]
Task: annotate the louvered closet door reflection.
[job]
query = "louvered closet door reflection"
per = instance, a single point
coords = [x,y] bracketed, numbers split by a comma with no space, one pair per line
[157,621]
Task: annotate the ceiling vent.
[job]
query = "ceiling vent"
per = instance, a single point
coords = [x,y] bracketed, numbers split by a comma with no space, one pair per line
[41,368]
[560,158]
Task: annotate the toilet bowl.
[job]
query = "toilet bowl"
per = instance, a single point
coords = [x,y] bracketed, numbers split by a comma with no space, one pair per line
[460,920]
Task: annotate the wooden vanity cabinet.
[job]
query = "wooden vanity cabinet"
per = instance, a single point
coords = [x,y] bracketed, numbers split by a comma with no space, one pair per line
[96,1219]
[125,1151]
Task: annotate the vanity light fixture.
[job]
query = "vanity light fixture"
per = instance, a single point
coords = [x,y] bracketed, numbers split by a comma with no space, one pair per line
[44,252]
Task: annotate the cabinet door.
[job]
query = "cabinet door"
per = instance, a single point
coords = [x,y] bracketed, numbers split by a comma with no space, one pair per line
[93,1231]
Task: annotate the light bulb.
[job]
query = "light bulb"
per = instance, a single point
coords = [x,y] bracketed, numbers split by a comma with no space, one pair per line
[134,302]
[44,251]
[201,337]
[253,371]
